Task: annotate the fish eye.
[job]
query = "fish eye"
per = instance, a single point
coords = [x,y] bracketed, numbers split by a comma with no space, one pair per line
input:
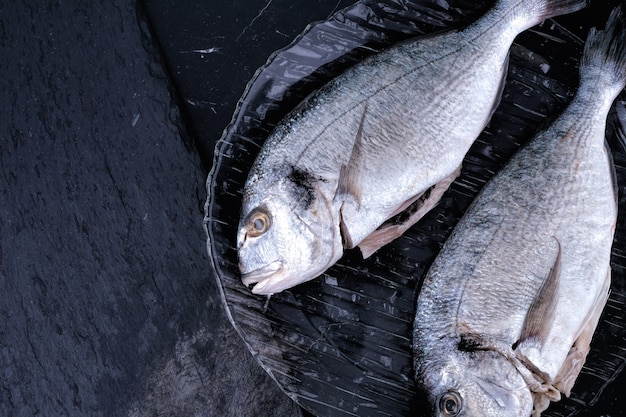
[450,403]
[258,223]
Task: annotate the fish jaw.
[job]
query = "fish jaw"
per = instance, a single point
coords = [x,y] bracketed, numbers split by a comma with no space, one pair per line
[261,276]
[276,277]
[271,279]
[280,261]
[297,241]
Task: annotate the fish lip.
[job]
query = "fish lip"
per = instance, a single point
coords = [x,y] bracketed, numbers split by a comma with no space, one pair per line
[260,275]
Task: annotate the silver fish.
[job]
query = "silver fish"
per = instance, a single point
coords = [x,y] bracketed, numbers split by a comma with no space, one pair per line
[387,134]
[508,309]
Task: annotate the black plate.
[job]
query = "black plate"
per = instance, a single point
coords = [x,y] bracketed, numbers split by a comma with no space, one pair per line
[340,345]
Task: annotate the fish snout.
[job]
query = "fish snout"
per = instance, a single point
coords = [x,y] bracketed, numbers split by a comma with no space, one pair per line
[258,279]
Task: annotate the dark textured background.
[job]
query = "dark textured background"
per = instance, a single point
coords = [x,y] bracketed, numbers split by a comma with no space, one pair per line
[106,304]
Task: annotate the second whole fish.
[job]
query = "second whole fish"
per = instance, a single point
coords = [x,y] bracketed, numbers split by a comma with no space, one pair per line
[387,135]
[507,311]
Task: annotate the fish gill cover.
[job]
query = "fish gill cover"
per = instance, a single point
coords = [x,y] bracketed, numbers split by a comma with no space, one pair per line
[340,345]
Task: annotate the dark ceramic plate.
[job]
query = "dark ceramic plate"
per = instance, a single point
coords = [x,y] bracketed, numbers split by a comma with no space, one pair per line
[340,344]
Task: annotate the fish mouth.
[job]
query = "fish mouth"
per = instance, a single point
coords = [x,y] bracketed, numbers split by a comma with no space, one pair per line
[258,279]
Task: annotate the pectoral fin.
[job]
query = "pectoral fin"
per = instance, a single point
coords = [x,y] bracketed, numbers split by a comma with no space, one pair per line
[540,315]
[534,334]
[414,209]
[348,185]
[348,188]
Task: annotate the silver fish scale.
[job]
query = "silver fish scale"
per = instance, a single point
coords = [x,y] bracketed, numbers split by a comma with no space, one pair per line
[395,264]
[569,207]
[554,203]
[378,138]
[323,141]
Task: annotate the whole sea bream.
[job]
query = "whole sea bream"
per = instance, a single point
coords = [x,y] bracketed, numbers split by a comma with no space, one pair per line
[387,136]
[507,310]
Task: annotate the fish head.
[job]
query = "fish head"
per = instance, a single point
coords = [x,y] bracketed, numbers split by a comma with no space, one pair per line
[287,233]
[473,384]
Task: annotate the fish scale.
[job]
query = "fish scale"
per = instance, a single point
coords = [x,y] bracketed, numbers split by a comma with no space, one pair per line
[506,313]
[386,136]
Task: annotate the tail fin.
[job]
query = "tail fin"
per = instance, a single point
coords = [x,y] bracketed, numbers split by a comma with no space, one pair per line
[604,55]
[546,9]
[532,12]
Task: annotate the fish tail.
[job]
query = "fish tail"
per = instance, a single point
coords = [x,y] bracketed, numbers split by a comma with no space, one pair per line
[528,13]
[604,55]
[545,9]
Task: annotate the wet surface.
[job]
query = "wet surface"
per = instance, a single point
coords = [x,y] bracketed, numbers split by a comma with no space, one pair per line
[108,303]
[340,345]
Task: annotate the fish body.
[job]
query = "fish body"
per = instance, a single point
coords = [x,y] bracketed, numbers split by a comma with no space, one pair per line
[390,132]
[508,309]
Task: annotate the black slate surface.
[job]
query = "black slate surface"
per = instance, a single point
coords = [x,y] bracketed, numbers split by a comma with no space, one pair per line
[106,305]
